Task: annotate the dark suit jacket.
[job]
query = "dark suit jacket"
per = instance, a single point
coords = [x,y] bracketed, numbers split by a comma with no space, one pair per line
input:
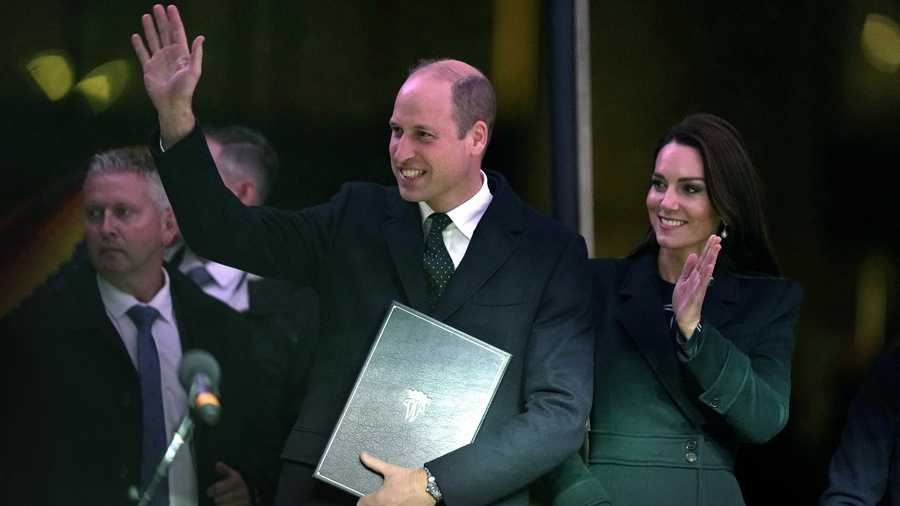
[285,321]
[521,287]
[664,429]
[287,316]
[865,469]
[76,403]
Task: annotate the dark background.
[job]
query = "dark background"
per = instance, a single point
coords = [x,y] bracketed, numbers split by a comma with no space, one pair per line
[319,78]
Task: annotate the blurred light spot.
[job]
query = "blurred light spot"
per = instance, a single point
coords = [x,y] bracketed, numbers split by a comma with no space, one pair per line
[52,71]
[514,56]
[875,277]
[881,42]
[103,85]
[51,241]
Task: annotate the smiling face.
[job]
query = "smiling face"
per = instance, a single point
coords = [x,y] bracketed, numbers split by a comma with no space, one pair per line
[429,159]
[681,214]
[125,231]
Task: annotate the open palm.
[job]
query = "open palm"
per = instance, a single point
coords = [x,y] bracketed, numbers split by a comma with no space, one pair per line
[171,69]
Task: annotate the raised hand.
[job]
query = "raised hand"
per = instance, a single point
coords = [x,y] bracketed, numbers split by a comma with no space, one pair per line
[690,289]
[171,70]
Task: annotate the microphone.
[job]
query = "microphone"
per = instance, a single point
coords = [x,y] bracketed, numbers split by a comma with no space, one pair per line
[199,374]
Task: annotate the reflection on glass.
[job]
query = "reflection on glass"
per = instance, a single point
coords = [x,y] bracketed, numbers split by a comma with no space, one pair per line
[103,85]
[881,42]
[52,72]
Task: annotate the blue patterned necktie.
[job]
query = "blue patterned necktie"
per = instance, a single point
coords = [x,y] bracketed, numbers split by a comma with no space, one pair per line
[201,276]
[153,443]
[436,261]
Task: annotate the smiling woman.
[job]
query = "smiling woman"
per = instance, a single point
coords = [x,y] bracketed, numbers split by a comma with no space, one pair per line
[677,394]
[681,215]
[704,157]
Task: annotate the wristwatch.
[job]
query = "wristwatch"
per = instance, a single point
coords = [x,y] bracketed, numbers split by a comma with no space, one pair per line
[431,486]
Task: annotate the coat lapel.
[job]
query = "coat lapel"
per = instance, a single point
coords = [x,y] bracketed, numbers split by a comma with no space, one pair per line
[187,323]
[406,242]
[494,240]
[643,318]
[89,321]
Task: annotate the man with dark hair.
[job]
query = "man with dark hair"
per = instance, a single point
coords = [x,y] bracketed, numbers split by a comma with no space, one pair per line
[99,350]
[284,315]
[246,160]
[450,240]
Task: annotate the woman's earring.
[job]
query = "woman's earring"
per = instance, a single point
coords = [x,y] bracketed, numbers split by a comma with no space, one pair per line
[724,233]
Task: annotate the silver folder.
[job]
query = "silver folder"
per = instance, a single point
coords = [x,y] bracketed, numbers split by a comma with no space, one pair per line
[423,392]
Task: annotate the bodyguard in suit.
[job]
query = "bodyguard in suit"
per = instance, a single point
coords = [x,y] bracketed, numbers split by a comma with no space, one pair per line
[450,240]
[96,354]
[284,316]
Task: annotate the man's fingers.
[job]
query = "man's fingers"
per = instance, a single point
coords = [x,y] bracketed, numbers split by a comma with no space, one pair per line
[223,487]
[177,27]
[230,481]
[235,497]
[379,466]
[216,489]
[150,33]
[138,44]
[223,469]
[162,25]
[197,54]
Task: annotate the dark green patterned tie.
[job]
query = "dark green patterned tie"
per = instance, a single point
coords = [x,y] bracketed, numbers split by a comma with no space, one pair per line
[437,262]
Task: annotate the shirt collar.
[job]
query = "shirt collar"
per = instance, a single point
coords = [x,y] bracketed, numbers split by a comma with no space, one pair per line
[222,274]
[465,217]
[118,302]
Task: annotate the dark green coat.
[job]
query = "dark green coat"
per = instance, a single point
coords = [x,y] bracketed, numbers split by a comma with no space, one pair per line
[666,428]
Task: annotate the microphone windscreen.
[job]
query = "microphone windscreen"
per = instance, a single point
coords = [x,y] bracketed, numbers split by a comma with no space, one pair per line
[196,362]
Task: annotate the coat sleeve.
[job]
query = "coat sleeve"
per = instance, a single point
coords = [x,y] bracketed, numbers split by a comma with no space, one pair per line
[572,484]
[219,227]
[557,386]
[750,385]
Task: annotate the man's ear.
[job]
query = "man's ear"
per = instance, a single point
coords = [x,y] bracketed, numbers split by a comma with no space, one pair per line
[247,193]
[169,227]
[478,138]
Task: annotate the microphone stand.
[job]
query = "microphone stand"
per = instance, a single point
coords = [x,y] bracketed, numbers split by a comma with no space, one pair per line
[183,435]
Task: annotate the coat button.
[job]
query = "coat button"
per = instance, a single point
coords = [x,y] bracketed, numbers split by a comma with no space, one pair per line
[690,457]
[715,402]
[123,472]
[691,445]
[125,400]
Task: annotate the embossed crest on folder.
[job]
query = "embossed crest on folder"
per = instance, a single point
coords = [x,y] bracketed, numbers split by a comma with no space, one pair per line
[423,392]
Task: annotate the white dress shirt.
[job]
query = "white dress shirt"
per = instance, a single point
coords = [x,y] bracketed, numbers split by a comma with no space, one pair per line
[182,477]
[464,219]
[229,284]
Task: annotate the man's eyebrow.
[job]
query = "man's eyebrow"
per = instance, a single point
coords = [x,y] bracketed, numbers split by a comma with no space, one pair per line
[417,126]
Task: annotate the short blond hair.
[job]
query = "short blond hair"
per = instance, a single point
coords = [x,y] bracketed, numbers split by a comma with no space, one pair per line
[133,159]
